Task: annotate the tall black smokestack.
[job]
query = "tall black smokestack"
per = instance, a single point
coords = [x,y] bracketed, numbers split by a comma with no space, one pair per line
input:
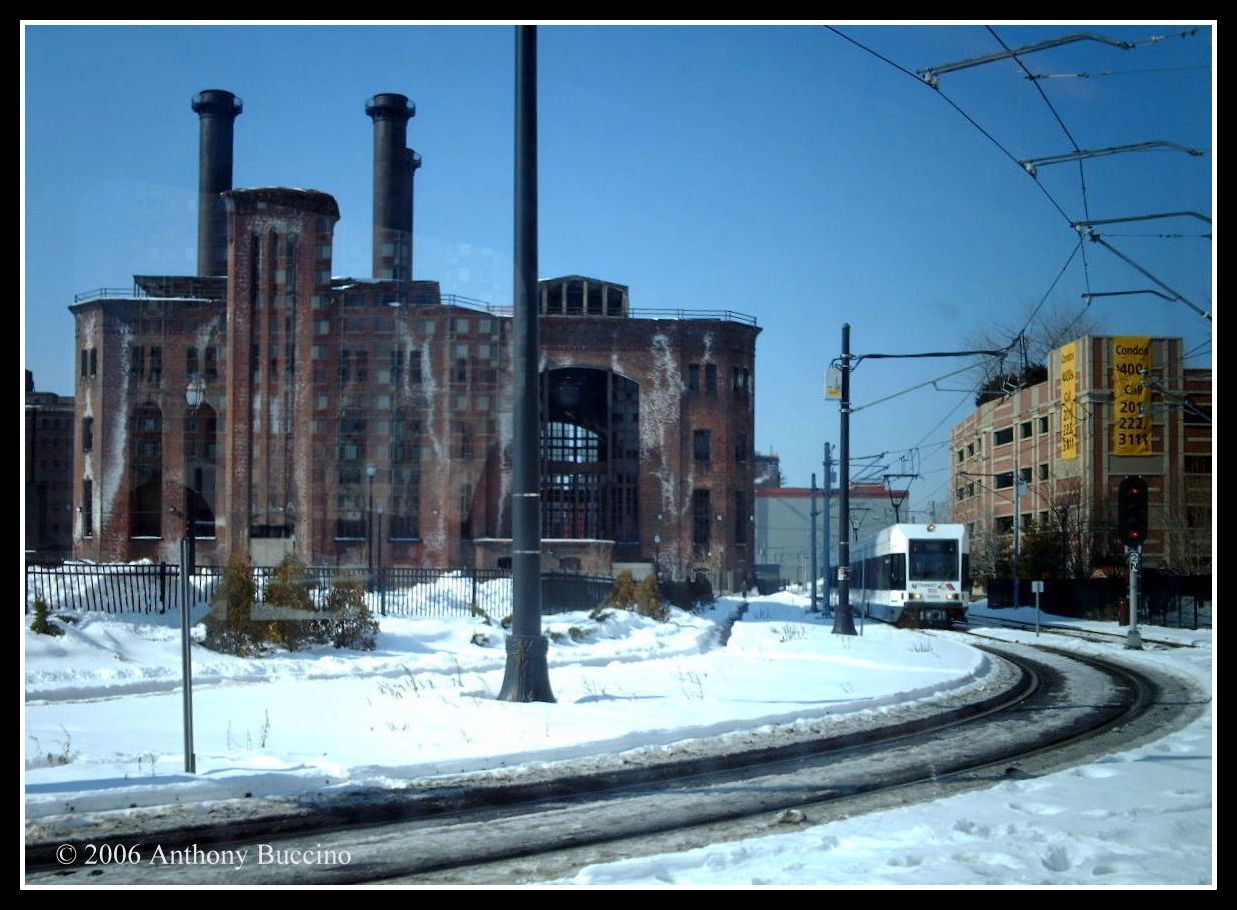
[394,165]
[217,111]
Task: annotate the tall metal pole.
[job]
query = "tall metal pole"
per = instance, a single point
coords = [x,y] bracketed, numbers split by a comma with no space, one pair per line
[828,465]
[186,659]
[370,471]
[844,618]
[1133,640]
[193,397]
[527,676]
[1019,488]
[812,545]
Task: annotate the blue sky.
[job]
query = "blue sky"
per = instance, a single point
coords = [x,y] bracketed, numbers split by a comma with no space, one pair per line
[775,170]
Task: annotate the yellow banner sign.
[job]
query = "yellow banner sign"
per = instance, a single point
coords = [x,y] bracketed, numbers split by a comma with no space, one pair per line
[1131,432]
[1069,400]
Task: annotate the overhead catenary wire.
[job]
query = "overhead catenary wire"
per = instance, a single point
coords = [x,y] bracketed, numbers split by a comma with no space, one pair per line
[911,389]
[1084,75]
[1006,54]
[1079,249]
[1163,236]
[969,119]
[1080,246]
[1082,177]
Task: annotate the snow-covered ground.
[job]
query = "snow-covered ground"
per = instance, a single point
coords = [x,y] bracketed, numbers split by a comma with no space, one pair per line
[102,730]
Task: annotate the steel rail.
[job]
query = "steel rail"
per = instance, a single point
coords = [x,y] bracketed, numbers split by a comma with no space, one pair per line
[462,827]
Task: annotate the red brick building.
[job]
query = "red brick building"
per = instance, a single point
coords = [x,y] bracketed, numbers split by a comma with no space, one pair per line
[50,442]
[363,420]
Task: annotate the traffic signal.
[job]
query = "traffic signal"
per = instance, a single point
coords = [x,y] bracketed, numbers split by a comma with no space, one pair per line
[1132,511]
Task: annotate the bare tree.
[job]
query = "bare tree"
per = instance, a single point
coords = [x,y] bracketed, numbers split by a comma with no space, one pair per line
[1031,334]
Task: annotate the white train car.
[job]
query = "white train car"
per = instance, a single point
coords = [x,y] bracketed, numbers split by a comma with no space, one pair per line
[912,575]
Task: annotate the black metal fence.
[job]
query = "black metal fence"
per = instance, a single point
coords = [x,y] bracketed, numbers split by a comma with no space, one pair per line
[392,590]
[1181,601]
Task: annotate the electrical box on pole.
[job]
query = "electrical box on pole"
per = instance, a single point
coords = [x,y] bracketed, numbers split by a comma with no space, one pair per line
[1132,511]
[833,384]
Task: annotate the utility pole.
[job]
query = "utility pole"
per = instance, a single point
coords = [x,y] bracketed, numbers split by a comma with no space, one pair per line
[812,545]
[828,465]
[1020,488]
[844,617]
[527,676]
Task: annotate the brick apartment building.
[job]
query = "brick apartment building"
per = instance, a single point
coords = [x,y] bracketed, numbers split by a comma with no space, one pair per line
[49,473]
[1056,452]
[275,407]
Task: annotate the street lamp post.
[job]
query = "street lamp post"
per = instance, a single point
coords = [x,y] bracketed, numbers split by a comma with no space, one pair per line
[194,393]
[382,588]
[371,471]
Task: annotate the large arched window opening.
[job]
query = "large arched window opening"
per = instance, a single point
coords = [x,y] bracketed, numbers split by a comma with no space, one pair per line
[201,428]
[590,454]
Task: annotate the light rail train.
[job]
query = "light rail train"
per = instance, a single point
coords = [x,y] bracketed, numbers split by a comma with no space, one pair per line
[912,575]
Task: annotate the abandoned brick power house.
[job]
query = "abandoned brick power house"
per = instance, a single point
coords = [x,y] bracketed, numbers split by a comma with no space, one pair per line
[276,408]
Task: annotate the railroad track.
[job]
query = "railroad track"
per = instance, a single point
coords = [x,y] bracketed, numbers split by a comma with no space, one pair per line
[478,832]
[1069,631]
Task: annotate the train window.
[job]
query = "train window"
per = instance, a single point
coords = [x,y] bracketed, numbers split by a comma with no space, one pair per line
[897,571]
[934,560]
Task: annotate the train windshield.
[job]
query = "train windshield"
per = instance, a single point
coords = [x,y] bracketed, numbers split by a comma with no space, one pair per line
[934,560]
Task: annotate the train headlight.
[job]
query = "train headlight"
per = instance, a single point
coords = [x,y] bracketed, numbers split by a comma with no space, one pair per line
[953,597]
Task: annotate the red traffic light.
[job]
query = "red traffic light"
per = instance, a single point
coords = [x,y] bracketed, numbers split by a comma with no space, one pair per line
[1132,508]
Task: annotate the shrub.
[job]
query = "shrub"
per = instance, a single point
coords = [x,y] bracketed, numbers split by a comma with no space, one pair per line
[576,634]
[290,587]
[678,593]
[649,601]
[351,623]
[346,622]
[237,633]
[42,623]
[624,594]
[688,594]
[702,589]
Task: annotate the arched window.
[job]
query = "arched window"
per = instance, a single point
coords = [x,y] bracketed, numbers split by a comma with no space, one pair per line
[590,457]
[201,445]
